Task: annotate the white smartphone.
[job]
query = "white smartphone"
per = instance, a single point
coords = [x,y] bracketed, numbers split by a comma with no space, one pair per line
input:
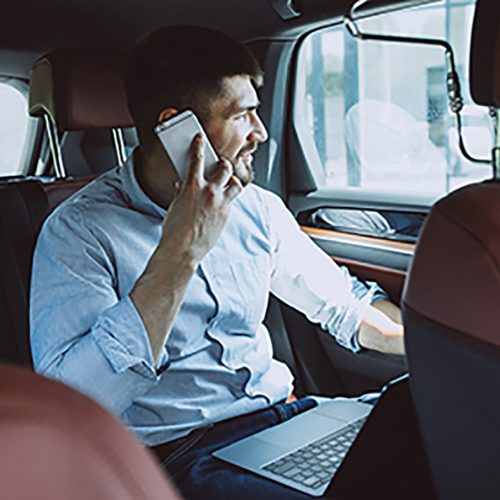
[177,134]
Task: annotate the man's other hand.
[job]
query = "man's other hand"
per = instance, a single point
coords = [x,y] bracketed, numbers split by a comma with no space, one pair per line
[382,328]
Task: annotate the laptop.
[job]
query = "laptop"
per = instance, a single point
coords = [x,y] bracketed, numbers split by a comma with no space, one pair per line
[306,452]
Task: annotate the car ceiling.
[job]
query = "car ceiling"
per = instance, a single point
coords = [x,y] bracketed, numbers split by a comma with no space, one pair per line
[29,28]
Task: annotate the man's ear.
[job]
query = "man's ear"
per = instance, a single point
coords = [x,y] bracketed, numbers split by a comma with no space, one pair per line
[166,113]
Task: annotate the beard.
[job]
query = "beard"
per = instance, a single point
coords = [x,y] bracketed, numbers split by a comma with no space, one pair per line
[242,164]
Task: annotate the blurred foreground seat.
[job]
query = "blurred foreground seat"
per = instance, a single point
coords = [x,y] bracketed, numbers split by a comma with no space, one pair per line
[59,445]
[451,311]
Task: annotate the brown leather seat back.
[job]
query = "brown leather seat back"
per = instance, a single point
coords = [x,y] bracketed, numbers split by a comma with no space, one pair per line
[451,314]
[60,445]
[24,205]
[451,310]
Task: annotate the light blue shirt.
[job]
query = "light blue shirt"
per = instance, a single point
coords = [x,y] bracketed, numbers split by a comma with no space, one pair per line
[217,362]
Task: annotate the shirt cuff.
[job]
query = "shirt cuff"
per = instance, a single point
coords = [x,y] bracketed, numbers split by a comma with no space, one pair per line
[377,293]
[374,294]
[122,337]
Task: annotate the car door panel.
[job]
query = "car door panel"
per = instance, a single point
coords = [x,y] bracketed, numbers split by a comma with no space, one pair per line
[319,363]
[373,259]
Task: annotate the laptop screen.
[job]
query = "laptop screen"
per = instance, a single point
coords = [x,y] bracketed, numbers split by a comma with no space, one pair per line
[387,459]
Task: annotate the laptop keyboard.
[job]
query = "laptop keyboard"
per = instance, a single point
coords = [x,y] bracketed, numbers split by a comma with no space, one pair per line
[315,464]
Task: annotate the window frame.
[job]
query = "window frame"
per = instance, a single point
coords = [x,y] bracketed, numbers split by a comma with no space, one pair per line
[34,129]
[306,185]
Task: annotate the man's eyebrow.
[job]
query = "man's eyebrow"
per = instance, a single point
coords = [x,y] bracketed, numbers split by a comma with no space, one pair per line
[240,109]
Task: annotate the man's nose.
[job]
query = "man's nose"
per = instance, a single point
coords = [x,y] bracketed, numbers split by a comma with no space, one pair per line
[259,132]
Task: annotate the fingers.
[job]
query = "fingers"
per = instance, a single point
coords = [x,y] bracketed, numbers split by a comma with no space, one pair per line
[223,173]
[177,185]
[233,188]
[223,179]
[195,169]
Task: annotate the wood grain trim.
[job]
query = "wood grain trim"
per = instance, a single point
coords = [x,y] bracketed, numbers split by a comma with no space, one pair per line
[330,234]
[370,268]
[391,280]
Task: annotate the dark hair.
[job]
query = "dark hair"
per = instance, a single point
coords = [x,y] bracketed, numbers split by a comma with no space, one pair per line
[182,67]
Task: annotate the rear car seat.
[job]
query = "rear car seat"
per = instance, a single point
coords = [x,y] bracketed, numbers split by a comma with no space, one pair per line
[72,90]
[24,205]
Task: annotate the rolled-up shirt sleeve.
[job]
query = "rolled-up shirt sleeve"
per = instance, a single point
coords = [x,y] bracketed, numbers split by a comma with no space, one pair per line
[307,279]
[82,332]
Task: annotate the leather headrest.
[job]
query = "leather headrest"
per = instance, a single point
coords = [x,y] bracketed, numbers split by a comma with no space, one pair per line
[80,89]
[485,54]
[455,273]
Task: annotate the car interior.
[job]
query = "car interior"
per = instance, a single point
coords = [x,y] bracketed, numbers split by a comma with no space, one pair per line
[384,144]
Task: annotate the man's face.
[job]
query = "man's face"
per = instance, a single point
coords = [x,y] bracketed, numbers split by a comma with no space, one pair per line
[234,127]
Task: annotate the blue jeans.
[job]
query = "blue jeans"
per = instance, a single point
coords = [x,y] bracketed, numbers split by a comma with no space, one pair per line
[198,475]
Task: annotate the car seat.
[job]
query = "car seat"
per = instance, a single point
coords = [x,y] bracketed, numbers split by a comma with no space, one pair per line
[451,312]
[57,445]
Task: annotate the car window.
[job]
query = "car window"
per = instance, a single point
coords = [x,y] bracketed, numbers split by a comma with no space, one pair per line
[13,129]
[373,118]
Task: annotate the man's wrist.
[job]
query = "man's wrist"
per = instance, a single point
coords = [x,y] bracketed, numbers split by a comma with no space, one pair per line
[381,329]
[174,261]
[389,341]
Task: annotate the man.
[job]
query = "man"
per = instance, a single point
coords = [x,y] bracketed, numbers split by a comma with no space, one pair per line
[149,295]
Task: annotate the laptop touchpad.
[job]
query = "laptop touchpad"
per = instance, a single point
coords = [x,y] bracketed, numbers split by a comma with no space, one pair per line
[298,431]
[347,410]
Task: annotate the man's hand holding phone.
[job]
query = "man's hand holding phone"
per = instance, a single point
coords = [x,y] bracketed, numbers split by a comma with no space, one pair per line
[176,135]
[199,211]
[201,207]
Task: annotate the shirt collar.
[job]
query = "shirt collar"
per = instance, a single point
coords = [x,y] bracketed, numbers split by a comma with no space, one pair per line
[136,197]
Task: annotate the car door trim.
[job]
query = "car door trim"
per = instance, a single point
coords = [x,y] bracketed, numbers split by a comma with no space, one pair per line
[372,250]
